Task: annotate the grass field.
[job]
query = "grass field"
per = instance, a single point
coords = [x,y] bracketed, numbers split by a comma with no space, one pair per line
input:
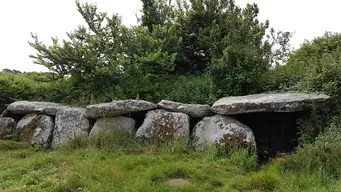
[124,165]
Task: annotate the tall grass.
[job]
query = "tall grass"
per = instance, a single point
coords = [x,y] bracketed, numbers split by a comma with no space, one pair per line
[321,157]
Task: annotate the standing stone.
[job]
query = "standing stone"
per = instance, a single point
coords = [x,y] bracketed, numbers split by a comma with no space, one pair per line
[224,132]
[27,107]
[164,126]
[276,102]
[69,123]
[193,110]
[118,107]
[120,123]
[36,129]
[7,125]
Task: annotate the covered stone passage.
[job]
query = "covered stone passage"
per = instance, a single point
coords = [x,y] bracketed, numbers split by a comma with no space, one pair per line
[267,121]
[274,132]
[273,118]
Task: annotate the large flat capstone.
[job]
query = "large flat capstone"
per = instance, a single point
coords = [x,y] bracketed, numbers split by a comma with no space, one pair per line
[193,110]
[28,107]
[276,102]
[118,107]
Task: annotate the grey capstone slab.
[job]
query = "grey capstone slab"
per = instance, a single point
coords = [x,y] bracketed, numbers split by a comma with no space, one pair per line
[28,107]
[118,107]
[276,102]
[193,110]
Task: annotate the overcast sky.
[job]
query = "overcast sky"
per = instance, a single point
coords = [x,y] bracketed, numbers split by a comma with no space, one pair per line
[307,18]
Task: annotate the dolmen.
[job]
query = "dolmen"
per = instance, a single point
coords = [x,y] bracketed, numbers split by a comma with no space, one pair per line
[266,122]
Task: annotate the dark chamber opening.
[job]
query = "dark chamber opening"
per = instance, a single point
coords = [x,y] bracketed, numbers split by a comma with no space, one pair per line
[138,117]
[274,132]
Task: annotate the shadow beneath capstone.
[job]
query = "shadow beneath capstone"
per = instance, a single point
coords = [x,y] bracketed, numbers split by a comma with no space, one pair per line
[138,117]
[274,132]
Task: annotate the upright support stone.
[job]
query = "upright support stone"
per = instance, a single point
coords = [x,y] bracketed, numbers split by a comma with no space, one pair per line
[223,131]
[43,133]
[69,123]
[29,121]
[120,124]
[7,125]
[164,126]
[36,129]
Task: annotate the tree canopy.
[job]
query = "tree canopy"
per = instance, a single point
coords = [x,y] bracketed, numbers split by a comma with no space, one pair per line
[215,40]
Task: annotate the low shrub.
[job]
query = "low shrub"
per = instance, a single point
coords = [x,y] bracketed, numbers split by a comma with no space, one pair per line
[321,157]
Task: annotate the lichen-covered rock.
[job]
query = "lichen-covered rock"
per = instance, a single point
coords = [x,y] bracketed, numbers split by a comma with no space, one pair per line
[193,110]
[118,107]
[119,123]
[277,102]
[36,129]
[28,107]
[69,123]
[224,132]
[164,126]
[7,125]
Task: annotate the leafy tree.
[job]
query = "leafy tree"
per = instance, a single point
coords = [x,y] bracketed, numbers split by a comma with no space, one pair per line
[241,67]
[308,60]
[156,12]
[213,39]
[208,27]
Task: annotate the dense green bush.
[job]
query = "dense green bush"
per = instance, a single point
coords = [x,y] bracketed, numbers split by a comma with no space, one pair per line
[314,67]
[19,86]
[188,89]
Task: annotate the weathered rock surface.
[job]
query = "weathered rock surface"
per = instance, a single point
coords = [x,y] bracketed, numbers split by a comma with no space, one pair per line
[164,126]
[120,123]
[223,131]
[43,133]
[193,110]
[28,107]
[118,107]
[7,125]
[69,123]
[28,120]
[4,113]
[278,102]
[36,129]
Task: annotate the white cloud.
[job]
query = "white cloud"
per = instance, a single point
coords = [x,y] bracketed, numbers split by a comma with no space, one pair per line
[308,18]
